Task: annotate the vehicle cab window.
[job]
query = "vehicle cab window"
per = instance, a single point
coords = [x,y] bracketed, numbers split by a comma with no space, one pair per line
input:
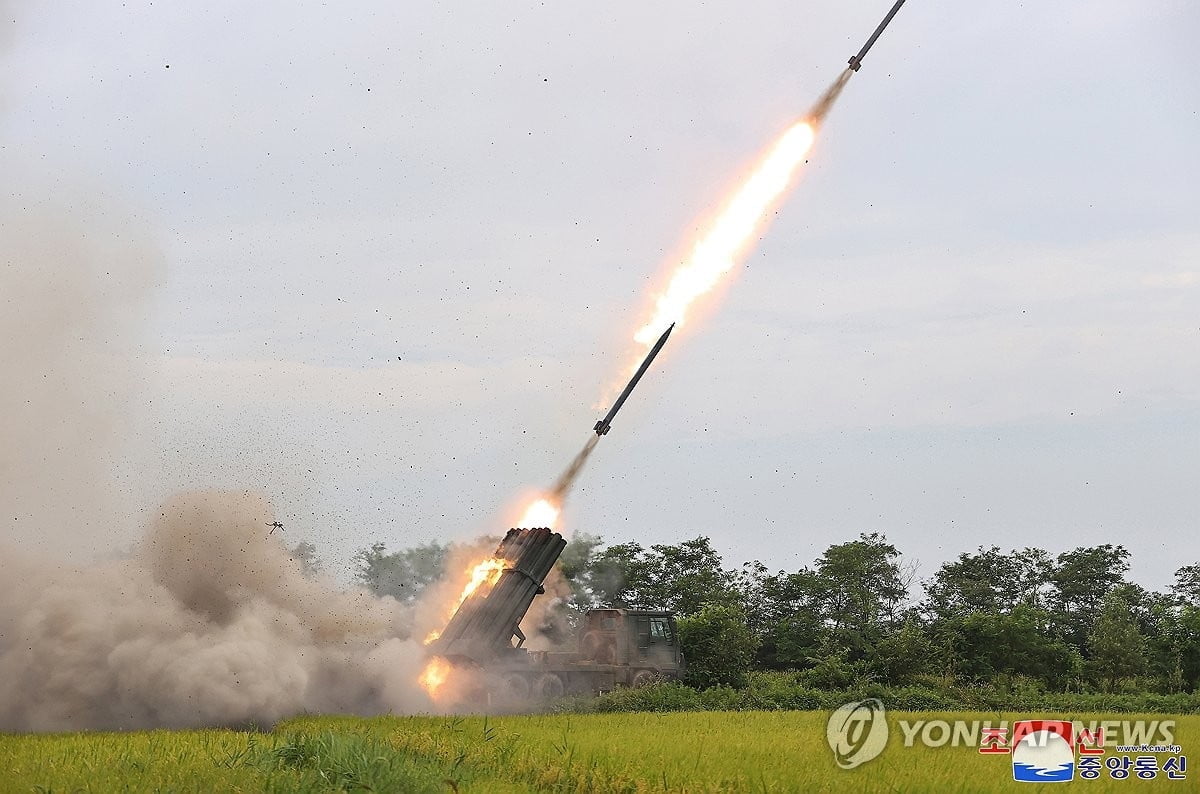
[660,631]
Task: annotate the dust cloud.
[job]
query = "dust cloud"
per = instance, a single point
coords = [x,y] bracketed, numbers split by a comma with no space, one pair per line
[76,277]
[210,622]
[113,615]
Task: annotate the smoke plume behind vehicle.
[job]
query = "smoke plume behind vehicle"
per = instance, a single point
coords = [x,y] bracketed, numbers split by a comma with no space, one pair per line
[204,620]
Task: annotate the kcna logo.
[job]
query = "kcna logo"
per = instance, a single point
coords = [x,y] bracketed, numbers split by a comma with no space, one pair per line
[857,732]
[1043,751]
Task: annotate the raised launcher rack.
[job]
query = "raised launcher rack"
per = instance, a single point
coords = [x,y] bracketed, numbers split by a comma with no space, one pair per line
[481,631]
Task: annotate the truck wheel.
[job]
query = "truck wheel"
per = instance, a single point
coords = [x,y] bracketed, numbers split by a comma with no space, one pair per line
[514,688]
[643,677]
[548,687]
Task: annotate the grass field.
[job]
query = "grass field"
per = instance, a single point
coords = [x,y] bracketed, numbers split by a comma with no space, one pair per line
[690,751]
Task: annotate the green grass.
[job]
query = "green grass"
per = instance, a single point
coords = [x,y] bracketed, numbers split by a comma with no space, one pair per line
[211,760]
[775,751]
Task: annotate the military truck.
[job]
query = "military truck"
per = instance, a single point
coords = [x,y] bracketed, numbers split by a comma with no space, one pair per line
[614,647]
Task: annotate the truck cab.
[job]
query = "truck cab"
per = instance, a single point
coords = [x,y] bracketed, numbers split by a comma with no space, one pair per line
[644,642]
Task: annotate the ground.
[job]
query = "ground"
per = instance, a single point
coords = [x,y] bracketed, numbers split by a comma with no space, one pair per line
[782,751]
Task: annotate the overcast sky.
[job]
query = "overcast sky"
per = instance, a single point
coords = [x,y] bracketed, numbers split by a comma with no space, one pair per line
[405,246]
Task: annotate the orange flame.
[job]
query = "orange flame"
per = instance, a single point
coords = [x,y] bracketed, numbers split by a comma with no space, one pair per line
[486,572]
[716,253]
[542,513]
[435,675]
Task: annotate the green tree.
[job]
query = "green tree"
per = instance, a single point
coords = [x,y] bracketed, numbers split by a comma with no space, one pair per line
[1118,649]
[577,563]
[1031,570]
[1156,617]
[794,642]
[794,631]
[687,576]
[1081,580]
[901,657]
[988,581]
[1188,633]
[982,645]
[717,645]
[840,609]
[402,575]
[972,583]
[618,574]
[1187,584]
[749,584]
[861,589]
[680,578]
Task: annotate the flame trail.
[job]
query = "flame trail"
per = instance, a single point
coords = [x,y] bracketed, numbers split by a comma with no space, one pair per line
[744,216]
[714,255]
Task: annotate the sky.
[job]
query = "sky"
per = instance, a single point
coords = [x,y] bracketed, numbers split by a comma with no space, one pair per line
[401,250]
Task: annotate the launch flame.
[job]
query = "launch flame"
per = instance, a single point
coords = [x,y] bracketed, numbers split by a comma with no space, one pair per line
[484,573]
[542,513]
[716,253]
[434,676]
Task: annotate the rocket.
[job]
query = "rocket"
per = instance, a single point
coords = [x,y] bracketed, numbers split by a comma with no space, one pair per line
[605,424]
[856,60]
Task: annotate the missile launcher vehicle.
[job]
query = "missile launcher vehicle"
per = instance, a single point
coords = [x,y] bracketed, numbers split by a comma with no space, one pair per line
[613,647]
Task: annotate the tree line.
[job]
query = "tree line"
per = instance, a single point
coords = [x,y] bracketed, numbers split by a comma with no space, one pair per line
[1071,622]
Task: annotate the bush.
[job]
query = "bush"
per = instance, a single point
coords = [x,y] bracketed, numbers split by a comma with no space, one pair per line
[660,696]
[836,672]
[718,646]
[790,691]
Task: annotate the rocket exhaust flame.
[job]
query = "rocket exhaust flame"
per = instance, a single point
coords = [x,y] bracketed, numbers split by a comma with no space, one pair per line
[545,511]
[716,253]
[542,513]
[712,258]
[742,219]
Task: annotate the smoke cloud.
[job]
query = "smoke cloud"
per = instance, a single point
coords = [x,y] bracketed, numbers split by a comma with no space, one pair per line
[208,620]
[75,282]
